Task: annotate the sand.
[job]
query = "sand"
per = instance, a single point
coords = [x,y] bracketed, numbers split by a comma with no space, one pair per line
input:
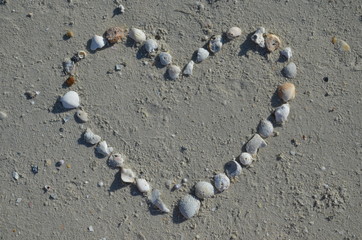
[306,184]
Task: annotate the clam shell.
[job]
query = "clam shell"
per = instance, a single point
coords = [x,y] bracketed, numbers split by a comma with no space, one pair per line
[165,58]
[116,160]
[115,34]
[233,33]
[290,71]
[90,137]
[258,37]
[137,35]
[215,44]
[103,149]
[173,72]
[82,116]
[70,100]
[68,66]
[265,128]
[254,144]
[281,113]
[286,52]
[245,159]
[272,42]
[150,45]
[155,199]
[142,185]
[286,91]
[202,54]
[204,190]
[97,42]
[188,69]
[127,175]
[232,169]
[221,182]
[189,206]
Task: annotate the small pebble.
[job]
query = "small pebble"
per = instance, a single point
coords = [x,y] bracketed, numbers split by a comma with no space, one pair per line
[34,169]
[100,184]
[16,175]
[3,115]
[91,229]
[18,200]
[118,67]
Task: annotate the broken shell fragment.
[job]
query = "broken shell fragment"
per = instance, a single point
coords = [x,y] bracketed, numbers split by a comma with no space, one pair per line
[204,190]
[341,45]
[70,81]
[127,175]
[290,71]
[116,160]
[286,91]
[103,149]
[245,159]
[155,199]
[173,72]
[165,58]
[232,169]
[272,42]
[215,44]
[97,42]
[15,175]
[281,113]
[91,138]
[265,128]
[150,45]
[233,33]
[202,54]
[254,144]
[70,100]
[286,52]
[188,69]
[68,66]
[115,34]
[82,116]
[258,37]
[137,35]
[142,185]
[221,182]
[189,206]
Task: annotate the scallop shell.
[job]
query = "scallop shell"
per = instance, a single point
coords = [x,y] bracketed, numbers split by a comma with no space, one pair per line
[232,169]
[115,34]
[272,42]
[68,66]
[286,52]
[91,138]
[290,71]
[97,42]
[281,113]
[215,44]
[258,37]
[151,45]
[155,199]
[265,128]
[116,160]
[165,58]
[137,35]
[142,185]
[173,72]
[127,175]
[82,116]
[286,91]
[103,149]
[70,100]
[189,206]
[245,159]
[202,54]
[188,69]
[233,33]
[204,190]
[254,144]
[221,182]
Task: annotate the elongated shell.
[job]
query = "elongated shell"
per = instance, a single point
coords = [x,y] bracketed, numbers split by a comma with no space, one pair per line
[258,37]
[290,71]
[137,35]
[97,42]
[286,91]
[142,185]
[188,69]
[221,182]
[116,160]
[281,113]
[254,144]
[245,159]
[103,149]
[232,168]
[189,206]
[90,137]
[173,72]
[70,100]
[150,45]
[265,128]
[127,175]
[233,33]
[165,58]
[155,199]
[202,54]
[204,190]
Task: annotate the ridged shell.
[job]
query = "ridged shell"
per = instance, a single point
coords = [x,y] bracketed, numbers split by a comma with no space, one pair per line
[142,185]
[150,45]
[202,54]
[286,91]
[272,42]
[232,169]
[165,58]
[116,160]
[173,72]
[290,71]
[91,138]
[189,206]
[70,100]
[204,190]
[103,149]
[137,35]
[127,175]
[254,144]
[97,42]
[188,69]
[233,33]
[155,199]
[265,128]
[258,37]
[245,159]
[281,113]
[221,182]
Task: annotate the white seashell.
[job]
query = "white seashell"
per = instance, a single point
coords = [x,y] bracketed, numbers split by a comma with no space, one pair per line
[70,100]
[258,37]
[127,175]
[103,149]
[68,66]
[188,69]
[173,72]
[82,116]
[281,113]
[286,91]
[156,200]
[90,137]
[232,169]
[189,206]
[97,42]
[137,35]
[165,58]
[215,44]
[233,32]
[121,8]
[142,185]
[254,144]
[116,160]
[221,182]
[150,45]
[15,175]
[204,190]
[245,159]
[286,52]
[202,54]
[265,128]
[290,71]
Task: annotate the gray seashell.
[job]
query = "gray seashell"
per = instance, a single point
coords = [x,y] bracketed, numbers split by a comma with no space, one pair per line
[116,160]
[254,144]
[68,66]
[137,35]
[82,116]
[127,175]
[281,113]
[258,37]
[204,190]
[265,128]
[245,159]
[150,45]
[215,44]
[173,72]
[90,137]
[221,182]
[97,42]
[165,58]
[233,33]
[70,100]
[103,149]
[188,69]
[232,169]
[286,52]
[290,71]
[202,54]
[156,200]
[143,186]
[189,206]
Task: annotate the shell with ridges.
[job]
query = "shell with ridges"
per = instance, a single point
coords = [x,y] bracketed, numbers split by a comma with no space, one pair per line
[286,91]
[204,190]
[165,58]
[189,206]
[137,35]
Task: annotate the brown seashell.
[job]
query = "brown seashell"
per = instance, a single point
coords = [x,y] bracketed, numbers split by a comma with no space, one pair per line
[272,42]
[69,34]
[115,34]
[70,81]
[286,91]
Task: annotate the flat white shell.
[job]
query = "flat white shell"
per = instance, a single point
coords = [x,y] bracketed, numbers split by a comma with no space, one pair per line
[70,100]
[116,160]
[142,185]
[173,72]
[137,35]
[97,42]
[245,159]
[265,128]
[258,37]
[232,168]
[189,206]
[150,45]
[127,175]
[290,71]
[82,116]
[233,32]
[155,199]
[286,52]
[202,54]
[91,138]
[221,182]
[165,58]
[254,144]
[204,190]
[103,149]
[188,69]
[281,113]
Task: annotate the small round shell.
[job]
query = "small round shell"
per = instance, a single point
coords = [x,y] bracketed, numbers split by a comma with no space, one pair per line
[103,149]
[215,44]
[290,71]
[272,42]
[265,128]
[202,54]
[165,58]
[221,182]
[188,69]
[286,91]
[137,35]
[82,116]
[150,45]
[254,144]
[281,113]
[173,72]
[142,185]
[258,37]
[233,33]
[189,206]
[127,175]
[70,100]
[204,190]
[245,159]
[116,160]
[91,138]
[232,169]
[97,42]
[115,34]
[82,54]
[286,52]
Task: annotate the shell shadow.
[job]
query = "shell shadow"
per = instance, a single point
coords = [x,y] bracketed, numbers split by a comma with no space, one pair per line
[154,211]
[282,59]
[275,101]
[141,53]
[177,217]
[98,155]
[134,190]
[117,183]
[81,141]
[58,107]
[116,11]
[248,44]
[157,63]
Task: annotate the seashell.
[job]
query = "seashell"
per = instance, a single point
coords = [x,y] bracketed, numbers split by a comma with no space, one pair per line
[202,54]
[68,66]
[115,34]
[151,45]
[116,160]
[254,144]
[265,128]
[189,206]
[233,33]
[70,100]
[69,34]
[127,175]
[258,37]
[82,116]
[341,45]
[165,58]
[221,182]
[272,42]
[290,71]
[286,91]
[232,169]
[103,149]
[281,113]
[188,69]
[15,175]
[91,138]
[286,52]
[97,42]
[173,72]
[142,185]
[155,199]
[215,44]
[121,8]
[70,81]
[245,159]
[137,35]
[204,190]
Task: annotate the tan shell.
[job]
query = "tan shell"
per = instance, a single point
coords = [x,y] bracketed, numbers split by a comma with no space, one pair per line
[173,72]
[233,32]
[115,34]
[137,35]
[272,42]
[286,91]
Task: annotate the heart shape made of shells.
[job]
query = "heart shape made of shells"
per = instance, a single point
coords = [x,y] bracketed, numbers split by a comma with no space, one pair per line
[190,204]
